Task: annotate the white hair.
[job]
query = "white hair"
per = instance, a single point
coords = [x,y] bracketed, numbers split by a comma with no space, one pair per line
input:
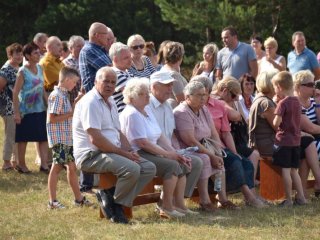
[73,39]
[192,87]
[116,48]
[133,87]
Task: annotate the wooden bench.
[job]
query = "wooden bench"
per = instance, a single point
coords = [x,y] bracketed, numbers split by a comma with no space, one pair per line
[271,184]
[148,194]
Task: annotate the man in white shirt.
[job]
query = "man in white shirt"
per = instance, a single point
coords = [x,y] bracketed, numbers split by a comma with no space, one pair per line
[161,89]
[99,146]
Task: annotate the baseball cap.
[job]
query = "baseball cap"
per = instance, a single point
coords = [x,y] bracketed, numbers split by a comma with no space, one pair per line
[163,77]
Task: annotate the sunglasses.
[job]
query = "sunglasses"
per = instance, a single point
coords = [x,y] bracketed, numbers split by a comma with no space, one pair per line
[138,46]
[309,85]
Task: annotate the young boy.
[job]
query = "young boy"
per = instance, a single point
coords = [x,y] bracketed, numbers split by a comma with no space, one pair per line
[287,142]
[59,127]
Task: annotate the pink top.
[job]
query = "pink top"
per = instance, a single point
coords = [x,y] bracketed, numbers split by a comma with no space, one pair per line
[218,113]
[186,119]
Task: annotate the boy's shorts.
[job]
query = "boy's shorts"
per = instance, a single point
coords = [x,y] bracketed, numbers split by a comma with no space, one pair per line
[286,157]
[62,154]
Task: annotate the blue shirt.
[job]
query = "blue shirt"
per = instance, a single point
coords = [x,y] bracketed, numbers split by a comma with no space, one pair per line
[235,62]
[92,58]
[306,60]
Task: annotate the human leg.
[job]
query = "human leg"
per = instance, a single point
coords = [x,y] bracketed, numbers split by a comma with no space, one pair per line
[179,193]
[287,182]
[53,180]
[304,173]
[297,184]
[193,176]
[43,153]
[313,163]
[147,173]
[255,158]
[8,143]
[21,166]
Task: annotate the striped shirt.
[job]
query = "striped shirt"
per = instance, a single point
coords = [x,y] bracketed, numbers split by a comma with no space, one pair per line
[92,58]
[59,132]
[147,70]
[123,78]
[310,112]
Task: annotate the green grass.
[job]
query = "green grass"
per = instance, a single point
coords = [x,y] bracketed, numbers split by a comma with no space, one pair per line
[24,215]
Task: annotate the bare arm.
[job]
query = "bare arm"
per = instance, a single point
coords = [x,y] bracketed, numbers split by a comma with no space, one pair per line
[180,97]
[253,65]
[277,121]
[219,74]
[316,73]
[104,145]
[16,90]
[233,114]
[227,139]
[54,118]
[309,127]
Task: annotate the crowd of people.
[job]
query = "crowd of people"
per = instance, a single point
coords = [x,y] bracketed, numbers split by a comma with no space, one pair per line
[104,106]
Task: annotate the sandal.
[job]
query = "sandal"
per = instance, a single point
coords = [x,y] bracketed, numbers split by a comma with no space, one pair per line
[7,169]
[207,207]
[228,205]
[20,170]
[317,193]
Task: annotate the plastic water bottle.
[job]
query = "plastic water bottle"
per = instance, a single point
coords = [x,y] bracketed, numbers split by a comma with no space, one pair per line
[218,181]
[188,150]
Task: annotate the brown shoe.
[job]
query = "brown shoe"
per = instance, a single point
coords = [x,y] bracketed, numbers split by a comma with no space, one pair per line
[228,205]
[207,207]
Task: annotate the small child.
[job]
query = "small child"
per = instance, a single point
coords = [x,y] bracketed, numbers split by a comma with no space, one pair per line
[287,142]
[59,127]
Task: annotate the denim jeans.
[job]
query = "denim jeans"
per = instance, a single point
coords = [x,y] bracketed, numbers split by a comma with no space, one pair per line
[239,172]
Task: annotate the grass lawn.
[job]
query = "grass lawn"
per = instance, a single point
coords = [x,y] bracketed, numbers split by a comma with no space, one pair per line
[24,215]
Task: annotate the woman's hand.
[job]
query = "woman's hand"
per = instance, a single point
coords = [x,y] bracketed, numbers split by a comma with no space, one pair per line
[17,117]
[216,162]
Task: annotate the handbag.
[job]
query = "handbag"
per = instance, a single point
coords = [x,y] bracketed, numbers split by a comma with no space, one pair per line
[212,146]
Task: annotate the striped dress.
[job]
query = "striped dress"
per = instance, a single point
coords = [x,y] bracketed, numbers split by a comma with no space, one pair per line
[310,112]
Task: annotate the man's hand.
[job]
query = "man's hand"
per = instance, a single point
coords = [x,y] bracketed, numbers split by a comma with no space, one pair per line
[134,156]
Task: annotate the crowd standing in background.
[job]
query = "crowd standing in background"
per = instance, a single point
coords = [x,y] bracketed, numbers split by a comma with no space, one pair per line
[137,113]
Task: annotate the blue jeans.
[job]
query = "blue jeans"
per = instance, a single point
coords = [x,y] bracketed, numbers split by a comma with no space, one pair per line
[86,181]
[239,172]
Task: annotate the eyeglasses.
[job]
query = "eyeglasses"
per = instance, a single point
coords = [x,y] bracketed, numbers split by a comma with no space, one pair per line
[308,85]
[138,46]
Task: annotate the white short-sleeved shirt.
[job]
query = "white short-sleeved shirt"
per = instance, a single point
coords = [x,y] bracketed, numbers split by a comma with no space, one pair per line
[164,116]
[137,126]
[93,112]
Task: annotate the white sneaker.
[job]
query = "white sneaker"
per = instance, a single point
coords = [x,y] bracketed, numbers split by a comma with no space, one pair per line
[56,205]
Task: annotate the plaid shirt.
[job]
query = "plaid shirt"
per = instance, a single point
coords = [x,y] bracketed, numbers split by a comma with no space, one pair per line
[60,132]
[92,58]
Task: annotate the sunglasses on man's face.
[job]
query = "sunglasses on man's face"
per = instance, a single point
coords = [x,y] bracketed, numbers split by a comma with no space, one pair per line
[138,46]
[309,85]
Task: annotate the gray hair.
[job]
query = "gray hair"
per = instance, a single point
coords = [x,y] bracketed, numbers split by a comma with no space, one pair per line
[297,34]
[133,87]
[39,36]
[116,49]
[207,83]
[73,39]
[134,37]
[101,71]
[192,87]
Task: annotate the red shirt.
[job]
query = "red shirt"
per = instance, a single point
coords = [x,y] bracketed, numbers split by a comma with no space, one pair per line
[288,132]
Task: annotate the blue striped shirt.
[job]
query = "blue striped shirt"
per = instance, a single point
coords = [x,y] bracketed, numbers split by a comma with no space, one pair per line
[92,58]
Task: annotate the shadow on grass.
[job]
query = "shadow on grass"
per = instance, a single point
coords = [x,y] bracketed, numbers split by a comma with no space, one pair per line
[15,182]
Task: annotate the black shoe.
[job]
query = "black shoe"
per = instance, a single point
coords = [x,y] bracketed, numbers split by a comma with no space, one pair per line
[119,216]
[106,204]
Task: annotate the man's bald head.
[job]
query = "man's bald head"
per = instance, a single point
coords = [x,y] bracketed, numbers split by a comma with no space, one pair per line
[54,46]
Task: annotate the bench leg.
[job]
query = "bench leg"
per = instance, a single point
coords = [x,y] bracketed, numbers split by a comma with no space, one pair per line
[271,184]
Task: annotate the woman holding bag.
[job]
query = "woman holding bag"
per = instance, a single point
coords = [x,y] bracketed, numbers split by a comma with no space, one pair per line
[193,124]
